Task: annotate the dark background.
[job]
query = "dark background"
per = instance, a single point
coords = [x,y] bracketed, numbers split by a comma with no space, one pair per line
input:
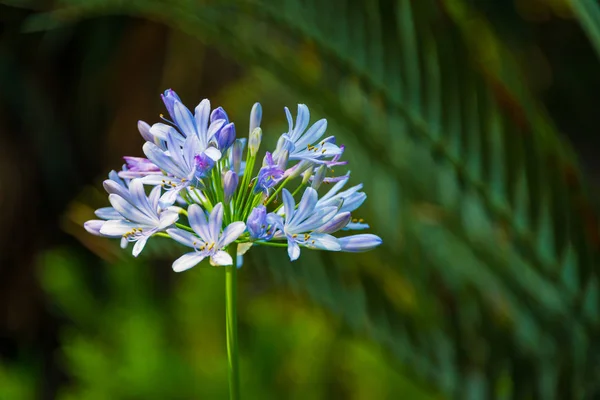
[480,164]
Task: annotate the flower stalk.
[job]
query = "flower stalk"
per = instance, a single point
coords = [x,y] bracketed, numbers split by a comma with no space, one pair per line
[231,325]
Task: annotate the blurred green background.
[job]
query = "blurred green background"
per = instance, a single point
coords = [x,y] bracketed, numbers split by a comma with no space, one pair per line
[472,123]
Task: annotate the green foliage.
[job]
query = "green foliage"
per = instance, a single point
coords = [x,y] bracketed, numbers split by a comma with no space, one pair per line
[126,341]
[487,283]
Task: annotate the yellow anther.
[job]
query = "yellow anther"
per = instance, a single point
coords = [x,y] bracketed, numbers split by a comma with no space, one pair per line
[212,245]
[294,236]
[323,152]
[361,220]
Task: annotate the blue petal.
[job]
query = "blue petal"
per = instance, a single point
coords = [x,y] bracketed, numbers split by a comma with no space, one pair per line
[144,129]
[188,261]
[107,213]
[129,211]
[293,249]
[184,237]
[335,224]
[323,241]
[138,195]
[353,202]
[305,207]
[154,197]
[231,232]
[198,222]
[117,228]
[315,133]
[315,221]
[215,221]
[288,205]
[184,119]
[93,226]
[139,245]
[202,113]
[301,122]
[113,187]
[358,243]
[221,258]
[164,162]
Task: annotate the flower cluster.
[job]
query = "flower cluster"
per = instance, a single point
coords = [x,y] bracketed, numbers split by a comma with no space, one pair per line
[195,187]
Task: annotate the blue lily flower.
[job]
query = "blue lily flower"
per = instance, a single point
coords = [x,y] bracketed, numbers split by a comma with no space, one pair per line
[351,199]
[303,144]
[304,226]
[269,175]
[133,216]
[259,224]
[208,241]
[183,166]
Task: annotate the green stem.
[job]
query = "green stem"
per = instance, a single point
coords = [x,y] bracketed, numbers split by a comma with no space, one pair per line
[231,323]
[184,227]
[270,199]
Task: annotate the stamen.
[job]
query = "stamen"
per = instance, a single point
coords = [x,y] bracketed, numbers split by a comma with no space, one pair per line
[294,236]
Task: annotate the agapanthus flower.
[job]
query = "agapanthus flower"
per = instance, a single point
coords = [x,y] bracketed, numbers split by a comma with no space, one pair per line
[231,206]
[207,239]
[301,226]
[258,224]
[269,175]
[134,216]
[306,145]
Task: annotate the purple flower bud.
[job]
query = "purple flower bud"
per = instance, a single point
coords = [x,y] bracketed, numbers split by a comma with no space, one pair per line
[218,113]
[230,183]
[225,137]
[358,243]
[203,165]
[169,98]
[257,223]
[255,118]
[236,154]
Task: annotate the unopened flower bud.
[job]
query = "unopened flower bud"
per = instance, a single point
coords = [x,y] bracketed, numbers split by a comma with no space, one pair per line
[306,176]
[218,113]
[319,176]
[225,137]
[230,183]
[298,169]
[257,222]
[254,141]
[255,117]
[236,154]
